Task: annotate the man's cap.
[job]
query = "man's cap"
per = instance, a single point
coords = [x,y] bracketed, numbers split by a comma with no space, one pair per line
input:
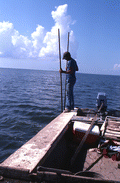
[66,55]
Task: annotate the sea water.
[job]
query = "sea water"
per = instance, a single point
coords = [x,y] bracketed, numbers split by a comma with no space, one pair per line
[30,99]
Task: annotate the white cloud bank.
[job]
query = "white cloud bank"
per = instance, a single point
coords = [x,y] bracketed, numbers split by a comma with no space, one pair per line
[42,44]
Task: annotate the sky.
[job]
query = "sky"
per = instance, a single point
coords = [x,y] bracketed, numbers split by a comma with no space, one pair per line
[29,34]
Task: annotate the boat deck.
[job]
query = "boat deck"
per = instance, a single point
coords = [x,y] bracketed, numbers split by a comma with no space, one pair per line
[57,138]
[36,150]
[106,167]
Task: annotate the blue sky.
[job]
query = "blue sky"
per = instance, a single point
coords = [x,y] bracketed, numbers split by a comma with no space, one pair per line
[29,34]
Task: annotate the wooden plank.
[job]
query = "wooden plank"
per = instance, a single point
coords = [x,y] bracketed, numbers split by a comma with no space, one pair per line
[37,149]
[86,119]
[113,129]
[112,134]
[81,119]
[113,119]
[114,125]
[110,137]
[54,177]
[13,173]
[55,170]
[114,122]
[103,128]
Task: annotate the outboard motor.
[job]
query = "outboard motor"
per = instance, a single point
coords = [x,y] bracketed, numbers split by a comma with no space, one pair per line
[101,98]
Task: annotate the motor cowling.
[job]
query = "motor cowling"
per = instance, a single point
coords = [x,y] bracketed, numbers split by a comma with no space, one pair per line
[101,99]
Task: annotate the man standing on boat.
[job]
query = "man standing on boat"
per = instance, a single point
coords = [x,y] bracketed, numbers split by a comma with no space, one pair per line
[70,80]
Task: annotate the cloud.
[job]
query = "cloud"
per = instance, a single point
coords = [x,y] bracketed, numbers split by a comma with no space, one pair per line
[12,44]
[6,31]
[63,22]
[42,43]
[116,66]
[37,40]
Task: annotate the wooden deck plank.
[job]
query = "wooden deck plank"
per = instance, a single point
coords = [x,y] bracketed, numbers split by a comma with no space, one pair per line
[37,149]
[87,119]
[110,128]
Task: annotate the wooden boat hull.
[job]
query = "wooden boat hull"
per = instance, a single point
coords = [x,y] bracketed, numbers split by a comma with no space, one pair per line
[47,156]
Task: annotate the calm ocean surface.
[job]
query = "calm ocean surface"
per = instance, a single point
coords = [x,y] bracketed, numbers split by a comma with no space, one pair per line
[30,99]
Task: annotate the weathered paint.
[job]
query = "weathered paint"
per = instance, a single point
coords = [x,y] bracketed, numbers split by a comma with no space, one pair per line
[37,149]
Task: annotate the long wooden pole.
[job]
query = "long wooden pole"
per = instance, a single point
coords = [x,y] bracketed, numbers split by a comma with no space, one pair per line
[82,142]
[66,76]
[84,138]
[68,42]
[60,68]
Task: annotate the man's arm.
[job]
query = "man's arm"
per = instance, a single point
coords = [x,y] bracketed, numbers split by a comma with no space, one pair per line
[70,71]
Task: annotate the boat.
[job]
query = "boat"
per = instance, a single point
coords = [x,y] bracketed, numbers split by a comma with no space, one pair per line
[78,146]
